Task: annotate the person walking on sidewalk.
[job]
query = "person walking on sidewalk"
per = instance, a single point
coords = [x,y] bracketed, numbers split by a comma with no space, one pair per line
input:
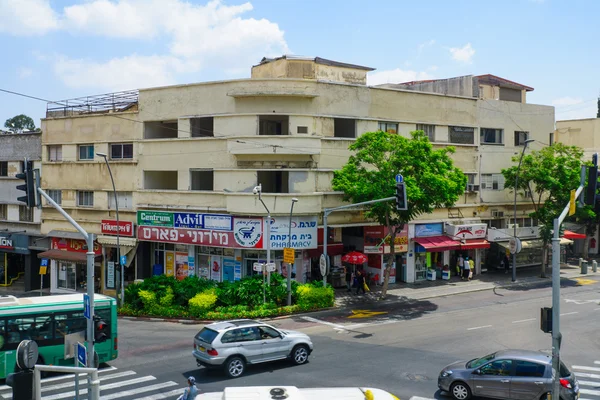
[506,264]
[360,281]
[471,268]
[466,269]
[349,279]
[461,266]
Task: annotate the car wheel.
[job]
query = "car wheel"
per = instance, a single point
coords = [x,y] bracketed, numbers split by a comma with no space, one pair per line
[235,367]
[460,391]
[300,354]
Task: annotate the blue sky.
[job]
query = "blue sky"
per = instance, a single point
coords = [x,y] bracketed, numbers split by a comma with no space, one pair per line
[57,49]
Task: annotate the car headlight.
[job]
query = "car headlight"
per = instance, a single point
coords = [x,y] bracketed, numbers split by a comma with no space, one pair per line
[445,374]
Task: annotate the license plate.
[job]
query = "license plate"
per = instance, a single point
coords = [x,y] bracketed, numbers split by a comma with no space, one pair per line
[202,349]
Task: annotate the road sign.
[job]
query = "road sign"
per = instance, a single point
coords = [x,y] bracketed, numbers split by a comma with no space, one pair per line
[44,262]
[123,260]
[572,203]
[43,270]
[86,306]
[399,178]
[81,354]
[27,354]
[323,264]
[514,245]
[257,267]
[271,267]
[288,255]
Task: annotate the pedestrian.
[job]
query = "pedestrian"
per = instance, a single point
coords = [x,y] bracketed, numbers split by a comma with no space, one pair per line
[360,282]
[349,279]
[506,264]
[461,265]
[466,269]
[471,268]
[191,391]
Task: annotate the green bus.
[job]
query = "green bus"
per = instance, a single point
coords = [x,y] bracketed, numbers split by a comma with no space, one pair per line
[46,320]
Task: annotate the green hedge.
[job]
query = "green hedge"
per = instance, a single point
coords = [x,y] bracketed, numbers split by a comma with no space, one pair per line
[193,297]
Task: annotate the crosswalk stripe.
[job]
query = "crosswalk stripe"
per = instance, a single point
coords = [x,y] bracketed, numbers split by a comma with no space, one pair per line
[596,362]
[588,383]
[58,378]
[595,369]
[137,390]
[105,387]
[585,375]
[160,396]
[592,392]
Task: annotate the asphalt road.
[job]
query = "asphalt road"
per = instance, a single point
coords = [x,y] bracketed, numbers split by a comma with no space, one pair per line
[397,346]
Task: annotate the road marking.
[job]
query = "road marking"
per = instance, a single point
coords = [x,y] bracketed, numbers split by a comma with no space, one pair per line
[592,392]
[103,378]
[62,377]
[587,383]
[479,327]
[318,321]
[365,313]
[160,396]
[584,375]
[115,385]
[594,369]
[570,313]
[420,398]
[596,309]
[137,390]
[596,362]
[584,281]
[524,320]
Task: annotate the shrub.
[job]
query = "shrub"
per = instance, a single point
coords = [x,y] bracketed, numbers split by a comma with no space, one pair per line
[202,302]
[310,297]
[167,299]
[148,299]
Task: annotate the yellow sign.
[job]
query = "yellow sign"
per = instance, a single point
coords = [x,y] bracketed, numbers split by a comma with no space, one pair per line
[289,255]
[43,270]
[572,203]
[365,313]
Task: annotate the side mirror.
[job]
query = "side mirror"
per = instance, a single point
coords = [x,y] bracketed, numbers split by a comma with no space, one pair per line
[477,372]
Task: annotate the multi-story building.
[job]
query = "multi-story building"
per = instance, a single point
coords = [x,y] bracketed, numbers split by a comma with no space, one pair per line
[20,239]
[186,159]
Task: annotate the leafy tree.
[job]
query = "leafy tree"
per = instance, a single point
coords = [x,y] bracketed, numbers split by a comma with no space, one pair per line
[20,123]
[548,176]
[432,181]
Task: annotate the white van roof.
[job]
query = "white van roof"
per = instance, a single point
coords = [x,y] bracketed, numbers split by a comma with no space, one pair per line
[294,393]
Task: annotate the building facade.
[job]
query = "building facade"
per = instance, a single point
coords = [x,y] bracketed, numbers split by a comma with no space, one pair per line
[186,159]
[20,238]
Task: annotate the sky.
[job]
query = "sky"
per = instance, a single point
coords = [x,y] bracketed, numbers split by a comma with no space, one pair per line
[59,49]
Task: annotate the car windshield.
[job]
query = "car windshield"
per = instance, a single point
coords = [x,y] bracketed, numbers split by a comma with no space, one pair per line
[478,362]
[564,371]
[207,335]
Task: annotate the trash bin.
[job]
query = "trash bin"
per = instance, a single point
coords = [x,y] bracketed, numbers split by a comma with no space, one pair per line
[584,266]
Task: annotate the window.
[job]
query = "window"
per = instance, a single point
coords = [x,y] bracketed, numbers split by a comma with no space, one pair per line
[530,369]
[160,130]
[266,332]
[302,129]
[389,127]
[124,199]
[55,195]
[510,94]
[273,125]
[344,128]
[121,151]
[86,152]
[551,138]
[160,180]
[491,136]
[3,212]
[25,214]
[3,168]
[201,179]
[207,335]
[85,199]
[245,335]
[429,131]
[492,181]
[462,135]
[521,137]
[202,127]
[55,153]
[498,368]
[273,181]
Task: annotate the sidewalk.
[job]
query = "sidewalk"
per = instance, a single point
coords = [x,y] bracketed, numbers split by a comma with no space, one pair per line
[440,288]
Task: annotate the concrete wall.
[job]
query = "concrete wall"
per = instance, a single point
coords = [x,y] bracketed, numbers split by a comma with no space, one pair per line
[584,133]
[308,69]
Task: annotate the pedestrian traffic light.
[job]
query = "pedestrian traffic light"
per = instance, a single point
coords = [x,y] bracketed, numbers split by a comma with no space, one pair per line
[29,186]
[101,330]
[592,184]
[546,320]
[401,203]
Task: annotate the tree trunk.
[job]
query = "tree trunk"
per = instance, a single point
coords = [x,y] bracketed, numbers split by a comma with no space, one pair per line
[544,259]
[390,261]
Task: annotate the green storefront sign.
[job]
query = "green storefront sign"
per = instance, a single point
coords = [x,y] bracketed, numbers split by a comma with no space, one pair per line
[154,218]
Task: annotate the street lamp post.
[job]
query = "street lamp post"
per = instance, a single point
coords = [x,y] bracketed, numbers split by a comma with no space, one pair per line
[514,267]
[122,302]
[289,272]
[258,190]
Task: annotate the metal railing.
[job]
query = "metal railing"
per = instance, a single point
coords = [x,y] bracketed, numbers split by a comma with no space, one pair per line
[94,391]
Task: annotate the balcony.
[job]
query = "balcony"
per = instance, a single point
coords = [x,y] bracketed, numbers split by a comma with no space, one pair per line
[257,145]
[278,203]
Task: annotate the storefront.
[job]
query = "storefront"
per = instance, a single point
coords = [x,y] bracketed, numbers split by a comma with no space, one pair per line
[377,246]
[222,247]
[13,251]
[472,238]
[111,273]
[68,265]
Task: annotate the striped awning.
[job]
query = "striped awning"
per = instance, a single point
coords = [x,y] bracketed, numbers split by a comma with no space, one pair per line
[437,243]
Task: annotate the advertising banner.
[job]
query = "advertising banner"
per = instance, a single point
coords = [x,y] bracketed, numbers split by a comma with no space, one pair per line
[304,232]
[181,265]
[170,263]
[155,218]
[109,227]
[215,268]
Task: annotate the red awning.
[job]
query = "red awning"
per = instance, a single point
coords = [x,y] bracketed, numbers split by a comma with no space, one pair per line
[438,243]
[573,235]
[474,244]
[333,249]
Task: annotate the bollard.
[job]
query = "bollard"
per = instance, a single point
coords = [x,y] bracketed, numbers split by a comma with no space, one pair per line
[594,266]
[580,262]
[584,267]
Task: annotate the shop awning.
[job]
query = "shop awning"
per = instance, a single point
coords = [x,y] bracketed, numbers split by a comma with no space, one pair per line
[474,244]
[438,243]
[65,234]
[63,255]
[112,241]
[573,235]
[537,243]
[334,249]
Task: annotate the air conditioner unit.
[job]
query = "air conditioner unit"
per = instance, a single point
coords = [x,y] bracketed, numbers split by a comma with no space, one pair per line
[497,214]
[472,188]
[512,226]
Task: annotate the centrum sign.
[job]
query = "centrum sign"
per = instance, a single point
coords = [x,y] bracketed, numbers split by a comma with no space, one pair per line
[155,218]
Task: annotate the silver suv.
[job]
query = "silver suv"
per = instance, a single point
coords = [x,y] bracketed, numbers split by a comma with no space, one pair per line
[234,344]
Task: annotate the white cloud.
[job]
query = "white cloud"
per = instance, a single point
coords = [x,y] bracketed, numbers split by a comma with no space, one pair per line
[583,111]
[463,54]
[566,101]
[24,72]
[27,17]
[396,76]
[423,45]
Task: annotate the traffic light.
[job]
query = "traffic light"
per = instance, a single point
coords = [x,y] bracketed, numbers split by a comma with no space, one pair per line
[401,203]
[101,330]
[592,184]
[546,320]
[29,186]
